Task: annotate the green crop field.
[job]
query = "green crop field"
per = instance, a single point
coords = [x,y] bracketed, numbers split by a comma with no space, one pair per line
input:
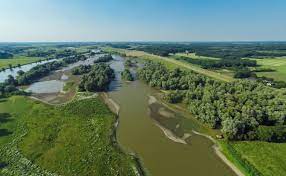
[72,139]
[279,64]
[4,63]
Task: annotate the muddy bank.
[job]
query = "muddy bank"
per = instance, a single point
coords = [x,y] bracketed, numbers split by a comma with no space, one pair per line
[220,154]
[173,136]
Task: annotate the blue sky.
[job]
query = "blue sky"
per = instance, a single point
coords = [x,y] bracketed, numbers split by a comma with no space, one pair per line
[142,20]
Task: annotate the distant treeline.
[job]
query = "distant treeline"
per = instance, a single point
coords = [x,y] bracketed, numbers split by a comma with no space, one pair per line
[243,110]
[217,64]
[5,55]
[224,50]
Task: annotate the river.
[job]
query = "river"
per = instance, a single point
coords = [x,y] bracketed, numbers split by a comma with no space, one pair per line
[4,74]
[141,132]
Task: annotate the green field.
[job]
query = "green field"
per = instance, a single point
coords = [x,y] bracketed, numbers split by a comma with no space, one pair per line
[194,56]
[279,64]
[72,139]
[268,158]
[4,63]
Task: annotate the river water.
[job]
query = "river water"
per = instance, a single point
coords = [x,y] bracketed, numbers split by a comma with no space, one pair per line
[140,132]
[4,74]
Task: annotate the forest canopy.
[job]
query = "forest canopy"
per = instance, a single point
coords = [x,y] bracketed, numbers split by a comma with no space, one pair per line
[243,110]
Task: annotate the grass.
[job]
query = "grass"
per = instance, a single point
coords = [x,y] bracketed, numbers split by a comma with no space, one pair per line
[69,85]
[194,56]
[170,63]
[268,158]
[72,139]
[22,60]
[278,63]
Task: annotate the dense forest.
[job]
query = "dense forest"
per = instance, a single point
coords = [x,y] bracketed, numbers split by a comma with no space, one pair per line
[97,79]
[243,110]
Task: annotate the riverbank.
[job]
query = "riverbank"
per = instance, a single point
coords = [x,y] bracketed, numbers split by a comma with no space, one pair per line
[169,134]
[220,154]
[115,108]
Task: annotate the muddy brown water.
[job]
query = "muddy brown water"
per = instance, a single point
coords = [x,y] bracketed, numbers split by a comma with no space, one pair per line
[138,132]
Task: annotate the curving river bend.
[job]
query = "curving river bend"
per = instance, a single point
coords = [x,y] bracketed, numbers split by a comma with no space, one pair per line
[140,132]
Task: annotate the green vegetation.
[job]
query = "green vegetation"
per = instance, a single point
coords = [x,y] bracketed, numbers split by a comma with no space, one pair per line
[68,85]
[5,55]
[97,79]
[126,75]
[40,71]
[238,108]
[267,158]
[18,60]
[277,64]
[73,139]
[105,58]
[82,69]
[170,63]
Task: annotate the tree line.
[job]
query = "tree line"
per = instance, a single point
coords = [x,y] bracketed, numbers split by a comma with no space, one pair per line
[243,110]
[222,63]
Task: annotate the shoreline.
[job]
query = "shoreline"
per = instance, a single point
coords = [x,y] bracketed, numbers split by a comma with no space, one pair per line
[219,153]
[169,134]
[115,108]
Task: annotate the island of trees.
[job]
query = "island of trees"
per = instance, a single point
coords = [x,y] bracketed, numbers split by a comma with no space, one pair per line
[105,58]
[127,75]
[97,79]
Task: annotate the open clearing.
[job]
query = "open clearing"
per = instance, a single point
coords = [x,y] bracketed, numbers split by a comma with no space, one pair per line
[194,56]
[4,63]
[279,64]
[72,139]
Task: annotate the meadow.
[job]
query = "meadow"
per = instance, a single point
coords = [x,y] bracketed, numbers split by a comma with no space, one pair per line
[257,158]
[278,64]
[22,60]
[71,139]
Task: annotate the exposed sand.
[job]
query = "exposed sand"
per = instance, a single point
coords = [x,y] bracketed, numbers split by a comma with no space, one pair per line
[170,135]
[220,154]
[113,106]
